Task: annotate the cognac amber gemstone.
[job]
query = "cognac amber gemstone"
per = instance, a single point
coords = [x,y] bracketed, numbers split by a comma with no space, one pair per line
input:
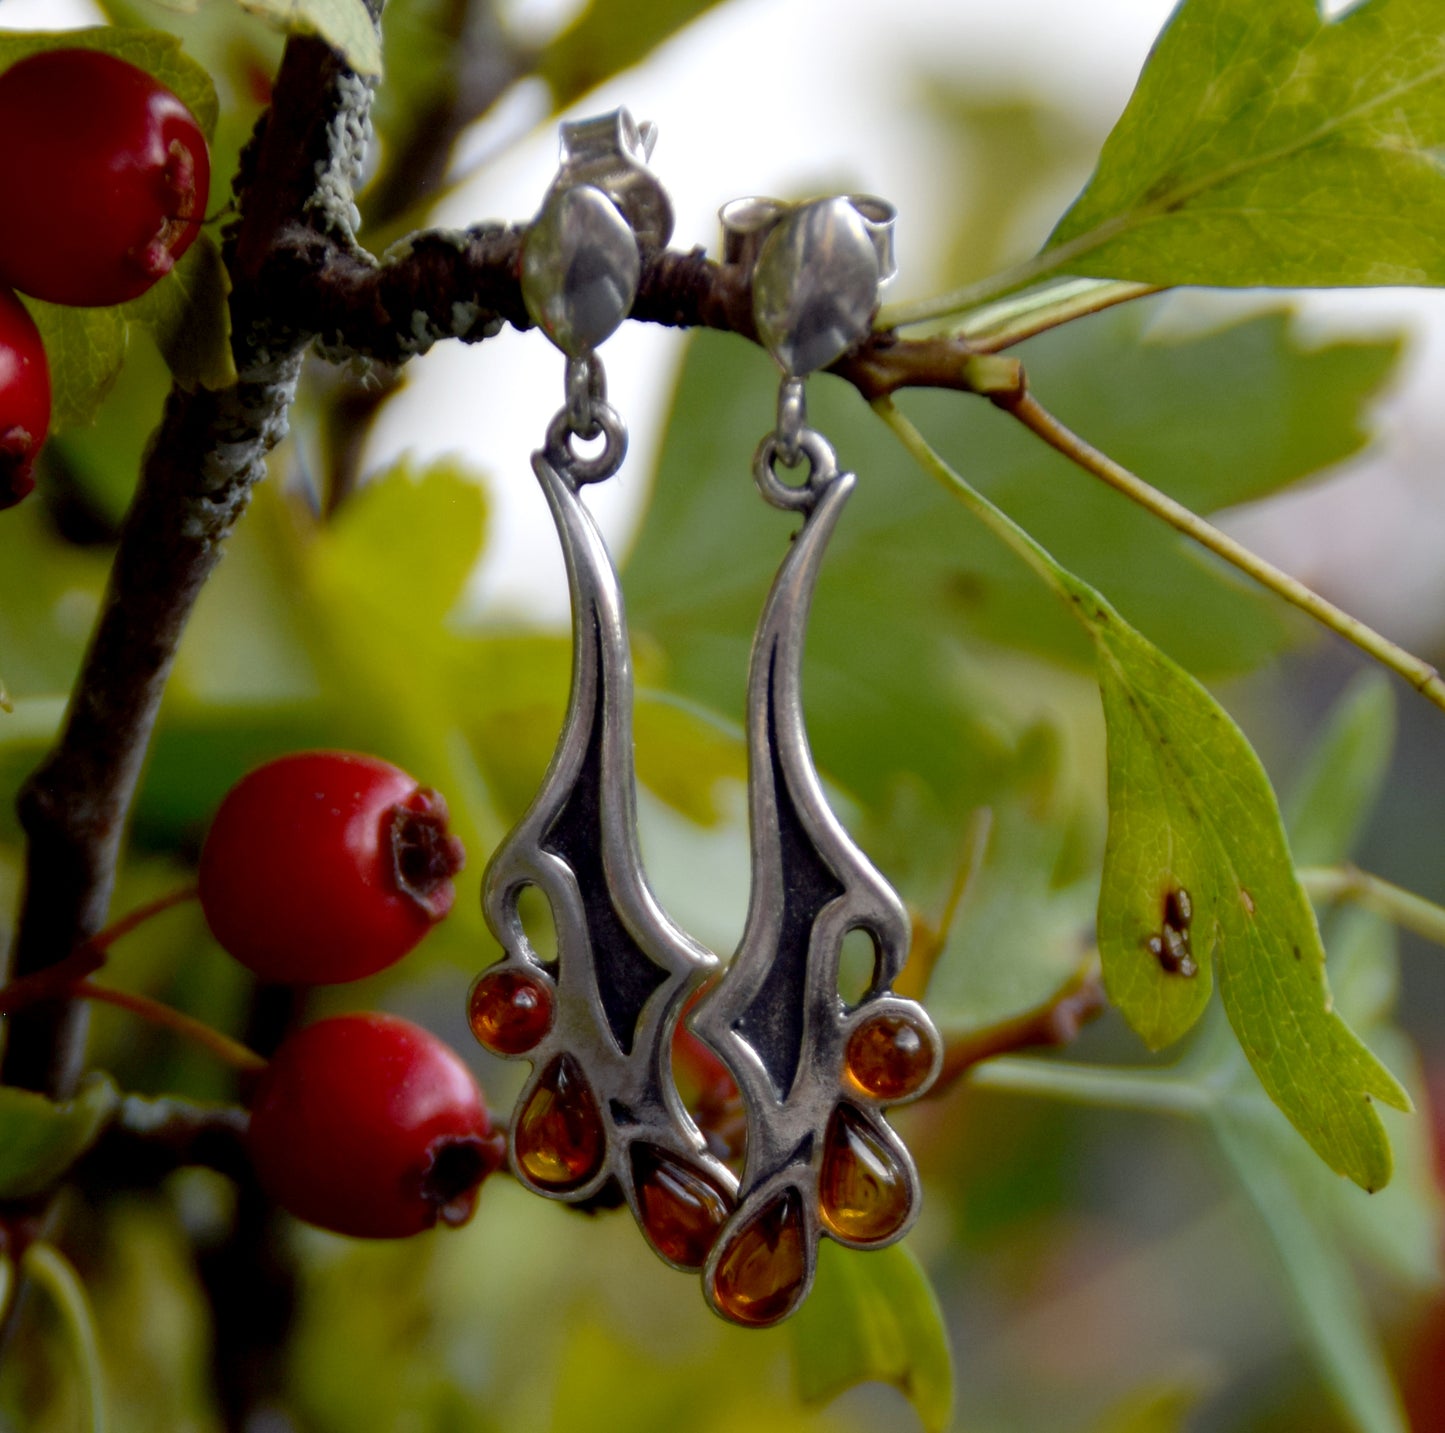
[889,1056]
[509,1011]
[682,1209]
[560,1140]
[863,1194]
[761,1273]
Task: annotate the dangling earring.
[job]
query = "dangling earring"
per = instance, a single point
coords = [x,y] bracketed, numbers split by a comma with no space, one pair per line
[599,1116]
[814,1072]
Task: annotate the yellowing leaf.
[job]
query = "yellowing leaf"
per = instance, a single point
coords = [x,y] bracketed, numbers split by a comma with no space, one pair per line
[1265,145]
[346,25]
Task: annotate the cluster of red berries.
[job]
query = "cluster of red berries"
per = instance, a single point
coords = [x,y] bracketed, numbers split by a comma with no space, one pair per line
[320,868]
[104,177]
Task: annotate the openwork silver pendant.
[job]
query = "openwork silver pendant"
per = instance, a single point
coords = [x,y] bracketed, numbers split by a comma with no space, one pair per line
[815,1073]
[600,1112]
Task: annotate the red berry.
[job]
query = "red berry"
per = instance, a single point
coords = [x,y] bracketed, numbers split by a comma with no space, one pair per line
[369,1125]
[24,398]
[325,866]
[104,175]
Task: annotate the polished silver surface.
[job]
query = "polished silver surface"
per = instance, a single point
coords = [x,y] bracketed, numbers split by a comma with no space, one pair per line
[623,970]
[816,267]
[580,268]
[776,1017]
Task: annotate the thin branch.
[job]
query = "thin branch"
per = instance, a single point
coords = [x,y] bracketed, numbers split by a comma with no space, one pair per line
[1349,883]
[1420,674]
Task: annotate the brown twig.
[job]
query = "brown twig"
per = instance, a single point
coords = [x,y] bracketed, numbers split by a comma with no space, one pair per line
[210,450]
[1055,1023]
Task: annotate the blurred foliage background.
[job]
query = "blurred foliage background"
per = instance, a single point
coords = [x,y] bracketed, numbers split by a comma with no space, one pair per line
[1117,1261]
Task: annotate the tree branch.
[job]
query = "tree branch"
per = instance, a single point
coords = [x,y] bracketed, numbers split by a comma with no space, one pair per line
[210,450]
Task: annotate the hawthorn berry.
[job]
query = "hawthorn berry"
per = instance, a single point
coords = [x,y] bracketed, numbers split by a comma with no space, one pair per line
[104,177]
[326,866]
[369,1125]
[24,398]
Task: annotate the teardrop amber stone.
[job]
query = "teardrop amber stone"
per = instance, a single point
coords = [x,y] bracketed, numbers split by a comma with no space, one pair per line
[560,1141]
[682,1210]
[863,1194]
[889,1056]
[509,1011]
[761,1273]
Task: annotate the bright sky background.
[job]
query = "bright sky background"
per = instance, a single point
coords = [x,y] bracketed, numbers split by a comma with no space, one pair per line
[791,96]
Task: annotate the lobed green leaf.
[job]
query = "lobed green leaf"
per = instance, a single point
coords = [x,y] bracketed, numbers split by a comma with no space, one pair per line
[1267,145]
[1191,811]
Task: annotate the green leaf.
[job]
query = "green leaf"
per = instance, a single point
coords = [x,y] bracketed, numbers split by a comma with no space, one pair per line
[909,588]
[405,544]
[873,1317]
[345,25]
[1343,774]
[1194,830]
[1266,145]
[190,319]
[1191,810]
[1029,904]
[85,348]
[609,36]
[40,1139]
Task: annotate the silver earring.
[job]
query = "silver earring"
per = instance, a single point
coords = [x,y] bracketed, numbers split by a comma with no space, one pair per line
[599,1117]
[815,1073]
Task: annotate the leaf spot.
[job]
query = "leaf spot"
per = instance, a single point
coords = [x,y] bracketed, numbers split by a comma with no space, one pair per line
[1247,901]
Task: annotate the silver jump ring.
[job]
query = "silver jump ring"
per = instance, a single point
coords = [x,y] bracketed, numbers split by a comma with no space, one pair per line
[571,465]
[795,497]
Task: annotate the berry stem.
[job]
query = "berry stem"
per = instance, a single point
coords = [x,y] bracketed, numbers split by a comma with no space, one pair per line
[223,1047]
[56,982]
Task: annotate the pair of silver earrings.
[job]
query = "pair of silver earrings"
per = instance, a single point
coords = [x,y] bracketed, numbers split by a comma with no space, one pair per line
[600,1115]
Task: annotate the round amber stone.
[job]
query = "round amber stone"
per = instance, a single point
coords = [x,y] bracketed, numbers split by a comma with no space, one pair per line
[863,1193]
[682,1209]
[509,1011]
[560,1141]
[761,1274]
[889,1056]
